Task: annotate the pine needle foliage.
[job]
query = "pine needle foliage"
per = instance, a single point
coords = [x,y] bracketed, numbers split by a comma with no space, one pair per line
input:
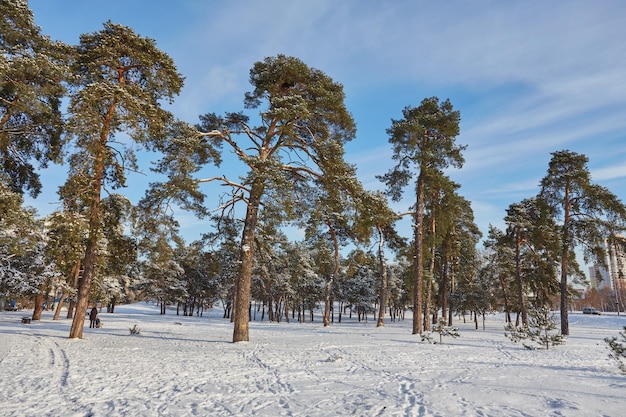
[618,349]
[442,329]
[540,330]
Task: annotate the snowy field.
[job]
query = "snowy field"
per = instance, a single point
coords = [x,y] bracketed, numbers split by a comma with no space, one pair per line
[187,366]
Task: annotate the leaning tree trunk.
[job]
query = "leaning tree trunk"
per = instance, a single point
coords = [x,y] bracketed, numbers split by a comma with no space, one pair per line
[241,310]
[89,262]
[84,286]
[57,311]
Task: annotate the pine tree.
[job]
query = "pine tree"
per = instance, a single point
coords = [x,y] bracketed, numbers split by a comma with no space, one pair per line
[122,79]
[303,126]
[540,329]
[423,143]
[33,78]
[588,213]
[442,329]
[376,218]
[618,349]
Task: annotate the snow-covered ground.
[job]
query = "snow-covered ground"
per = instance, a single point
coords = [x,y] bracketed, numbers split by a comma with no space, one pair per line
[186,366]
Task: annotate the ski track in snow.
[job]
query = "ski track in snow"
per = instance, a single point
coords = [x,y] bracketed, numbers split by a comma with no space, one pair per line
[187,366]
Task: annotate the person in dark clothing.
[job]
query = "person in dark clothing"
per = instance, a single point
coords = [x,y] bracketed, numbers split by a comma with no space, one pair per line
[92,317]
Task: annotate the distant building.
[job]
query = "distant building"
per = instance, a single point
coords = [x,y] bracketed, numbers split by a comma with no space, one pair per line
[599,277]
[612,278]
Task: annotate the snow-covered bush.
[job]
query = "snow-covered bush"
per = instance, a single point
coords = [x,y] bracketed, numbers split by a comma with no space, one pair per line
[618,349]
[541,326]
[442,329]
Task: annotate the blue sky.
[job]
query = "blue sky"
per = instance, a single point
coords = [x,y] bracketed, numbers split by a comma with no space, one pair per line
[529,78]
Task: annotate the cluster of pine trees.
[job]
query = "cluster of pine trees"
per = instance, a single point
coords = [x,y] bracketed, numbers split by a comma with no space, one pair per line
[89,106]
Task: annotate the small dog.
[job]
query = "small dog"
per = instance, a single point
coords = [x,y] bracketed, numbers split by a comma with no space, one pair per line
[98,323]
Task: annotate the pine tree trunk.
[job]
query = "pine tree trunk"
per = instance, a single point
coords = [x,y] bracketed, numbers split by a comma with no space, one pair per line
[429,280]
[383,279]
[38,307]
[241,311]
[518,277]
[329,284]
[57,312]
[84,286]
[451,280]
[89,262]
[75,278]
[444,288]
[418,265]
[505,299]
[564,264]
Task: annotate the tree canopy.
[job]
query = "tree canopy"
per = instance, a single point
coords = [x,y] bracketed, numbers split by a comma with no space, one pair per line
[33,79]
[587,212]
[122,79]
[105,98]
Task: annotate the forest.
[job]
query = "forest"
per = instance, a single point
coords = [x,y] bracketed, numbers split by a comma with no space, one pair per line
[92,106]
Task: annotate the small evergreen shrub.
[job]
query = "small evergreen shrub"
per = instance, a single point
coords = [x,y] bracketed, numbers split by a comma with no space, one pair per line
[135,330]
[442,329]
[540,330]
[618,349]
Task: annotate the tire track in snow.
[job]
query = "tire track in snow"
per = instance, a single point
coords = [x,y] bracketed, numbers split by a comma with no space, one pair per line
[59,372]
[59,363]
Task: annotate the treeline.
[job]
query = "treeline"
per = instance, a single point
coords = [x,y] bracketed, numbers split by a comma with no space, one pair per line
[89,106]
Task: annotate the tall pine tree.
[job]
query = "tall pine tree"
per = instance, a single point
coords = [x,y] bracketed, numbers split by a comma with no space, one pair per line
[123,79]
[587,213]
[423,144]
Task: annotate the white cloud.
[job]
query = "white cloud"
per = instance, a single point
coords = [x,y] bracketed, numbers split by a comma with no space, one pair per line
[609,173]
[530,77]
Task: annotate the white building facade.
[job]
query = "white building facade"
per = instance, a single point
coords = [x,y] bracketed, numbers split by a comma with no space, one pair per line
[614,277]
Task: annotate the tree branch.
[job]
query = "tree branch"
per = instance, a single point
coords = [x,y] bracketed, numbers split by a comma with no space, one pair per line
[226,182]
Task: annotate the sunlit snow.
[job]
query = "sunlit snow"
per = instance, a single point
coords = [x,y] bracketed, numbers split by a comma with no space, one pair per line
[185,366]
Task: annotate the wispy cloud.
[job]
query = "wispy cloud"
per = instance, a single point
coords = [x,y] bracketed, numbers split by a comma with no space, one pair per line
[529,78]
[609,173]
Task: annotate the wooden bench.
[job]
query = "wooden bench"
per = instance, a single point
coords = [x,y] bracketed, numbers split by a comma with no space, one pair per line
[26,320]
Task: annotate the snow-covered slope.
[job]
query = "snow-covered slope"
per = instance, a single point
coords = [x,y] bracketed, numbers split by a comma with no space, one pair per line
[186,366]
